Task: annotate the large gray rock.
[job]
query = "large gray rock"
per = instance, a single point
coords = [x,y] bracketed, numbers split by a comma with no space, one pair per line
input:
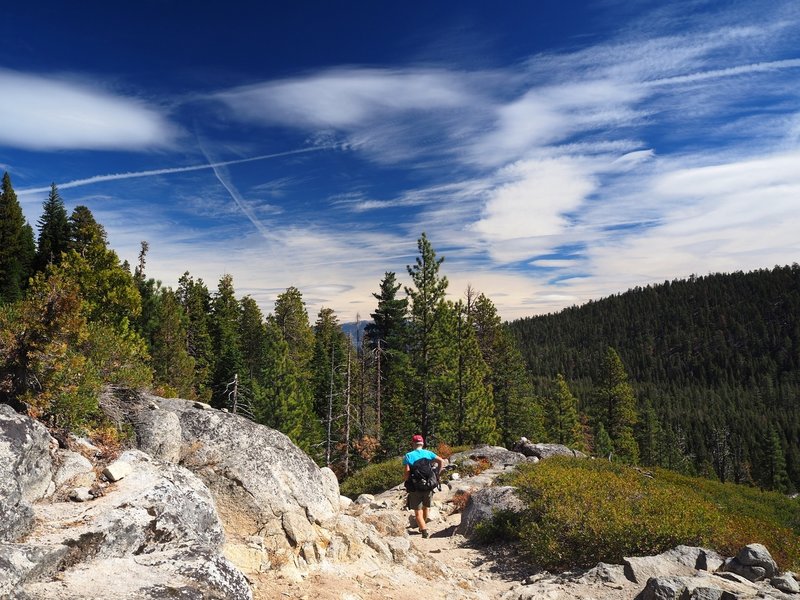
[485,503]
[158,432]
[542,451]
[679,561]
[496,455]
[663,588]
[26,471]
[72,468]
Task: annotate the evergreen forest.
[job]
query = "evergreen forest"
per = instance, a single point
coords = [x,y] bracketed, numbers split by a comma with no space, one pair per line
[75,318]
[713,361]
[699,376]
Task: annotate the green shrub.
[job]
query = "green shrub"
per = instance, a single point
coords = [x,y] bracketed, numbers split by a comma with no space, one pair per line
[580,512]
[374,478]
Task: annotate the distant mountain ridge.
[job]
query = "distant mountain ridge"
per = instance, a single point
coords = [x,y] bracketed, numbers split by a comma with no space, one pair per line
[717,357]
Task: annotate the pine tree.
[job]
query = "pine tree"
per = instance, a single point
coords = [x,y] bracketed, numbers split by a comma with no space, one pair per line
[195,299]
[284,403]
[27,254]
[329,378]
[619,405]
[54,231]
[386,337]
[518,412]
[427,336]
[561,413]
[775,476]
[603,446]
[224,328]
[252,336]
[297,416]
[13,247]
[86,235]
[474,403]
[173,367]
[649,435]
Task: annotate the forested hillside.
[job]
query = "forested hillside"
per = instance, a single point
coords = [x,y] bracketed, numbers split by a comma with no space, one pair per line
[714,363]
[74,317]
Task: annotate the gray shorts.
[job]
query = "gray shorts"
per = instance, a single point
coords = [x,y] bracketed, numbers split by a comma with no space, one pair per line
[418,500]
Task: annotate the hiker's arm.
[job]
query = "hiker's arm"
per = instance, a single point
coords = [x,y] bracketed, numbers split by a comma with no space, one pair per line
[406,472]
[440,460]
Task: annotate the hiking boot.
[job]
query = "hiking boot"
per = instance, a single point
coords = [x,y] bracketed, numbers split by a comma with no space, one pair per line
[425,533]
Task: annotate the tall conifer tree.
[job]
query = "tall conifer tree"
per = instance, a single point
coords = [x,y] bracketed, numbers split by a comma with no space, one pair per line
[226,341]
[561,412]
[427,337]
[54,231]
[618,404]
[474,403]
[386,337]
[195,299]
[173,367]
[13,247]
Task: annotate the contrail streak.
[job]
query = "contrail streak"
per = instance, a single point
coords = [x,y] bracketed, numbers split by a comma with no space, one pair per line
[133,174]
[762,67]
[234,193]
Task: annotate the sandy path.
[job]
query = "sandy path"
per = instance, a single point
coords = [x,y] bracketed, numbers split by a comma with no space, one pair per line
[469,573]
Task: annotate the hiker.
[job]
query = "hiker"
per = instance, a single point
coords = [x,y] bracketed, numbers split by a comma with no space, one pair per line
[420,479]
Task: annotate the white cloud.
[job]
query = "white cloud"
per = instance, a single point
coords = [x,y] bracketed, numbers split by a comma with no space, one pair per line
[49,113]
[523,216]
[346,98]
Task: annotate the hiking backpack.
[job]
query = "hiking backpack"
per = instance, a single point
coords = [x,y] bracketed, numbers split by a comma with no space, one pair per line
[422,476]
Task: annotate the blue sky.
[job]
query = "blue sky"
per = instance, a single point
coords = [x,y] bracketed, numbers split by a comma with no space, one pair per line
[553,152]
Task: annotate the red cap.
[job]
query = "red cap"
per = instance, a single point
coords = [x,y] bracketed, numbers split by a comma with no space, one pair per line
[417,439]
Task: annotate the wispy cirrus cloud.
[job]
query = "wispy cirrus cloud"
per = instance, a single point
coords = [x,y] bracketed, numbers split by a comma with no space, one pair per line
[345,98]
[53,113]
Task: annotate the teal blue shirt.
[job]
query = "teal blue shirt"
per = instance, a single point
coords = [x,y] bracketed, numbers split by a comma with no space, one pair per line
[411,457]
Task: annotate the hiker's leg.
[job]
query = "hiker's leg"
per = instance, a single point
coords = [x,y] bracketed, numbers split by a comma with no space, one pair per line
[420,514]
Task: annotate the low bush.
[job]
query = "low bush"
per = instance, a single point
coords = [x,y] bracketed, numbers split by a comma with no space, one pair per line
[373,479]
[580,512]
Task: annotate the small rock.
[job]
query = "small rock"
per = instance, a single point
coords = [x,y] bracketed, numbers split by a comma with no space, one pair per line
[365,499]
[663,588]
[117,470]
[455,476]
[81,494]
[344,502]
[749,572]
[87,446]
[786,582]
[201,405]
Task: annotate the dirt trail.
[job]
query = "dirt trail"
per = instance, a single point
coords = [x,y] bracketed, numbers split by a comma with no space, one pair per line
[470,573]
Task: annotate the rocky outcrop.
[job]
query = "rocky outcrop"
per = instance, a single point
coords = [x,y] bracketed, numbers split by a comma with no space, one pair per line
[278,508]
[159,518]
[496,455]
[26,471]
[264,485]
